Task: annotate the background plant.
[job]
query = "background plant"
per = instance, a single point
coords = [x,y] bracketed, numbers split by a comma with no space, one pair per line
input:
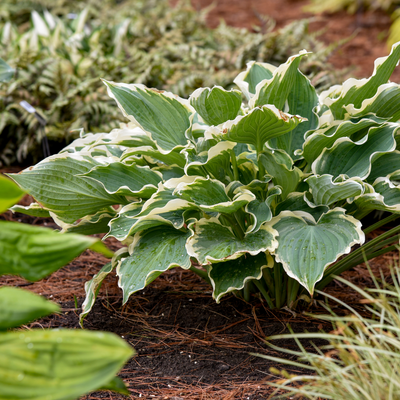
[362,358]
[352,6]
[265,196]
[59,61]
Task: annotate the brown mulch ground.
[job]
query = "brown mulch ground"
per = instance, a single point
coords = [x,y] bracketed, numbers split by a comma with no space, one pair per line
[187,346]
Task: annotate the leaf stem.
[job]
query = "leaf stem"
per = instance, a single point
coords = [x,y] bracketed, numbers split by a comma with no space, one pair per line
[202,274]
[278,285]
[381,223]
[261,288]
[246,291]
[234,165]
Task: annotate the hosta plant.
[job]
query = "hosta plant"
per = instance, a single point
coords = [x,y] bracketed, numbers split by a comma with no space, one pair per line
[260,197]
[48,363]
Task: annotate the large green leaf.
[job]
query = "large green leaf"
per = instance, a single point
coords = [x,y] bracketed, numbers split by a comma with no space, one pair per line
[127,180]
[34,210]
[18,307]
[354,158]
[326,136]
[307,247]
[160,114]
[212,241]
[152,252]
[387,165]
[355,91]
[6,72]
[154,156]
[10,193]
[55,183]
[254,74]
[233,274]
[58,364]
[34,252]
[216,105]
[326,191]
[260,125]
[210,195]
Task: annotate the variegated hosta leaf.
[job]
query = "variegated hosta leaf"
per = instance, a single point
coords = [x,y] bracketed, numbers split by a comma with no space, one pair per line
[292,92]
[90,225]
[233,274]
[387,165]
[152,252]
[34,210]
[55,183]
[210,195]
[280,166]
[260,208]
[260,125]
[216,105]
[254,74]
[212,241]
[326,191]
[298,202]
[216,161]
[34,252]
[307,247]
[355,91]
[58,364]
[19,307]
[10,193]
[6,72]
[325,137]
[128,180]
[383,195]
[384,104]
[154,156]
[160,114]
[354,158]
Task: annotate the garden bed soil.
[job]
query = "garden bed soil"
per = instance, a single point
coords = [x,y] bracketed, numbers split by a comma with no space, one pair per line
[189,347]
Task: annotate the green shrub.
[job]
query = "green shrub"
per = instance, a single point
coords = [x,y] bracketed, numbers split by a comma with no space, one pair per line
[59,62]
[265,196]
[362,358]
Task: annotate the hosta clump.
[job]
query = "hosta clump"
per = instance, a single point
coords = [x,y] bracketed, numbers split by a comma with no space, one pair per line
[255,197]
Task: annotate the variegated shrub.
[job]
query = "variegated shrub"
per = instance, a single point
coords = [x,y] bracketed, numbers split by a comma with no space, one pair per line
[260,196]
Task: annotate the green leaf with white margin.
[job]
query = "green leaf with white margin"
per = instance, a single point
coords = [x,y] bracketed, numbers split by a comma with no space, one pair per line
[19,307]
[34,210]
[90,225]
[128,180]
[58,364]
[355,91]
[326,191]
[297,201]
[292,92]
[55,183]
[10,193]
[260,125]
[93,286]
[216,105]
[307,247]
[216,161]
[325,137]
[211,241]
[6,72]
[383,195]
[284,174]
[254,74]
[210,195]
[162,115]
[34,252]
[154,156]
[384,104]
[152,252]
[387,165]
[260,210]
[354,159]
[233,274]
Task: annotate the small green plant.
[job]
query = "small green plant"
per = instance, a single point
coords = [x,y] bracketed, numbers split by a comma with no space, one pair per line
[59,62]
[48,363]
[362,358]
[257,198]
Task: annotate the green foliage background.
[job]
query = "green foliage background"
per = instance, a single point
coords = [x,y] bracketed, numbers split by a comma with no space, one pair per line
[132,41]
